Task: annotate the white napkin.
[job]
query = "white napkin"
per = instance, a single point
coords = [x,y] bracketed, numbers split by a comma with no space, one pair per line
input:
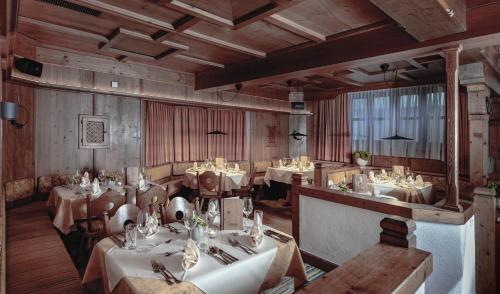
[383,172]
[236,167]
[311,165]
[419,182]
[85,180]
[280,163]
[95,187]
[195,165]
[301,167]
[330,183]
[371,176]
[191,255]
[142,182]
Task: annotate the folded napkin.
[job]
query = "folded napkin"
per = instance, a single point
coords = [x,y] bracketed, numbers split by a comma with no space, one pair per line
[95,187]
[383,173]
[236,167]
[311,165]
[142,182]
[280,163]
[85,180]
[330,183]
[419,182]
[195,165]
[191,255]
[371,176]
[301,167]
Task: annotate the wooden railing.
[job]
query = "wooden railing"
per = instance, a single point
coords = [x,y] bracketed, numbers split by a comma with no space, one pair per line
[392,266]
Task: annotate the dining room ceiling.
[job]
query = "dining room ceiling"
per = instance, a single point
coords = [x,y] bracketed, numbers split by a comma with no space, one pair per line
[210,38]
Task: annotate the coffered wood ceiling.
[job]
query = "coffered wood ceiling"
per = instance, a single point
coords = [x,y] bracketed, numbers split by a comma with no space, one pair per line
[268,45]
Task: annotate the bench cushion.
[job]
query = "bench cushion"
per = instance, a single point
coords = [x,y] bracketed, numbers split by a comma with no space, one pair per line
[179,168]
[19,189]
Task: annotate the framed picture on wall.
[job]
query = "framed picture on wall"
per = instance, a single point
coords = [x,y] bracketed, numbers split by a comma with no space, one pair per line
[93,131]
[271,136]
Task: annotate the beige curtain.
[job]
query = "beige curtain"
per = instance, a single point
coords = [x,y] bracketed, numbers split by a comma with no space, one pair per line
[179,133]
[333,140]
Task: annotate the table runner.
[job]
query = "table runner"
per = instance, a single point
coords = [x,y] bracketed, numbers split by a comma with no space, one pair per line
[287,261]
[284,174]
[232,179]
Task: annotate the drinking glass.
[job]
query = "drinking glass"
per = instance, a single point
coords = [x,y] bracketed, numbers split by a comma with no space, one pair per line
[212,213]
[143,222]
[131,236]
[247,208]
[77,177]
[189,223]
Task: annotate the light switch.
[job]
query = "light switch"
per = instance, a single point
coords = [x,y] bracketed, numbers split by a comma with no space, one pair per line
[114,84]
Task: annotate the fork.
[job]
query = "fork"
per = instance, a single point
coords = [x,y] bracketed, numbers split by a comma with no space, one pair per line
[228,257]
[167,272]
[235,243]
[156,269]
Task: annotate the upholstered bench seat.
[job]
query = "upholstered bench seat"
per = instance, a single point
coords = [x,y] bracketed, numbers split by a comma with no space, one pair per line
[37,261]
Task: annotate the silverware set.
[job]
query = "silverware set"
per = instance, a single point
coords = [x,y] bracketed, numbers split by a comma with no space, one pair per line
[172,229]
[277,236]
[169,253]
[221,255]
[235,243]
[160,268]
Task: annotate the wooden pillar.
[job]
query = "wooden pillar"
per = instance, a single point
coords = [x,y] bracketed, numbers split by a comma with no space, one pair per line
[485,220]
[451,139]
[398,231]
[297,181]
[318,174]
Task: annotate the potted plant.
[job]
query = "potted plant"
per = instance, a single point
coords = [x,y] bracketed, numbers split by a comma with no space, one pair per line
[361,157]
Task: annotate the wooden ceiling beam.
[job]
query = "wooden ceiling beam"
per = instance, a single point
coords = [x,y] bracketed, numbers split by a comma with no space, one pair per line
[225,44]
[263,12]
[427,19]
[295,28]
[167,53]
[199,60]
[189,9]
[415,64]
[492,56]
[342,79]
[179,25]
[388,42]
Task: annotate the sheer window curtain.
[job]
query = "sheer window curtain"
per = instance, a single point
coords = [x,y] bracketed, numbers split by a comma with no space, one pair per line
[413,112]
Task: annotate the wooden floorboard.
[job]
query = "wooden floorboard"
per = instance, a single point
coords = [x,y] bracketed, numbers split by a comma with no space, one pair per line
[37,260]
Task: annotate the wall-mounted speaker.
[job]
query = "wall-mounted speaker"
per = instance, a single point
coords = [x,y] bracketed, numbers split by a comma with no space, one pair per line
[298,105]
[30,67]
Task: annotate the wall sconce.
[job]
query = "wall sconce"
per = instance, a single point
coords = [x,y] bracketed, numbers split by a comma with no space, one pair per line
[9,111]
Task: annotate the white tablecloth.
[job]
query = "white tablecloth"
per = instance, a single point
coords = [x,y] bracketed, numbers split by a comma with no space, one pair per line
[243,276]
[402,193]
[284,174]
[231,179]
[70,205]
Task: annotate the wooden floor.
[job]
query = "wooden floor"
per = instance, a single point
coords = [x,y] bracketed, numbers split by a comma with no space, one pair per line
[37,261]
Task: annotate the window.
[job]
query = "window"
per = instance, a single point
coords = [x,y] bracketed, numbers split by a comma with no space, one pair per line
[414,112]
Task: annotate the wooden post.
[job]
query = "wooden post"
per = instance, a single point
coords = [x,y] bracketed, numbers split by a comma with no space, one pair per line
[297,181]
[398,231]
[318,174]
[452,198]
[485,220]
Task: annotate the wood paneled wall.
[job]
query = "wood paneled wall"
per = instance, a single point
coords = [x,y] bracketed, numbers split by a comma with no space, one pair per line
[269,136]
[125,126]
[19,160]
[57,131]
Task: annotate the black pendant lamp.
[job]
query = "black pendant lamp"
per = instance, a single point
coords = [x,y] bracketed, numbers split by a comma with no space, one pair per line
[217,131]
[395,137]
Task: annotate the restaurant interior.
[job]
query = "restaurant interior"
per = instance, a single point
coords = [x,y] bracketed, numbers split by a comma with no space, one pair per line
[265,146]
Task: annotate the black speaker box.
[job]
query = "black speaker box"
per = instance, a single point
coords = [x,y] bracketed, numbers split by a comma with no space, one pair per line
[30,67]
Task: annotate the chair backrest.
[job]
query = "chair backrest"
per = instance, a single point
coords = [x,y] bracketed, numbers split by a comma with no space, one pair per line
[174,211]
[124,215]
[143,199]
[261,166]
[209,180]
[109,201]
[399,169]
[132,176]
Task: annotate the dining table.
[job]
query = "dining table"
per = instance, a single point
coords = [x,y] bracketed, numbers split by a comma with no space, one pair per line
[121,270]
[403,191]
[232,178]
[284,174]
[68,203]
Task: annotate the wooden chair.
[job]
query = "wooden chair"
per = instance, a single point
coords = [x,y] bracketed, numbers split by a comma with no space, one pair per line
[124,215]
[174,210]
[246,191]
[92,228]
[143,199]
[209,185]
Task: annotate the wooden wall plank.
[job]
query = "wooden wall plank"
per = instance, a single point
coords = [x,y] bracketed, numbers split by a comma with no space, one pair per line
[269,136]
[18,143]
[57,131]
[125,134]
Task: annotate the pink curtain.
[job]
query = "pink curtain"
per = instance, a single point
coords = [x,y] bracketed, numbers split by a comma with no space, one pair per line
[333,139]
[233,145]
[179,133]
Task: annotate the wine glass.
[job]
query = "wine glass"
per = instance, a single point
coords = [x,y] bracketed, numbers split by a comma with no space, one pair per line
[189,223]
[77,177]
[247,208]
[142,222]
[212,213]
